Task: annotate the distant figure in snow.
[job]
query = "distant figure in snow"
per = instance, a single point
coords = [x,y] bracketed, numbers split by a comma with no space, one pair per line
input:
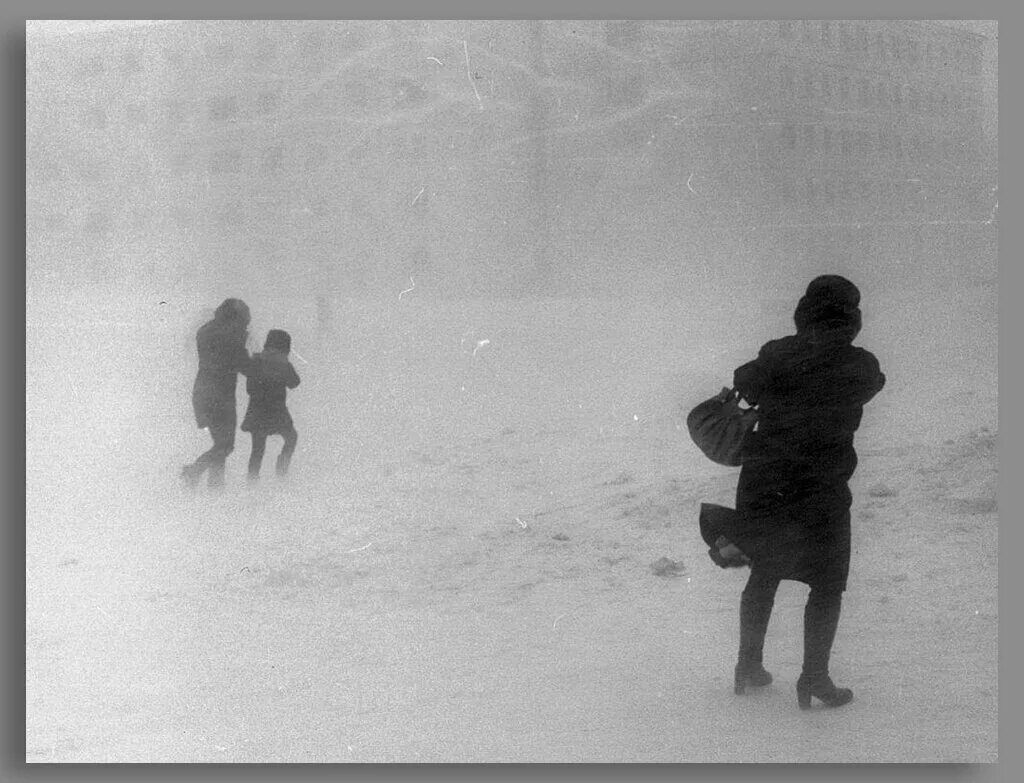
[220,344]
[270,378]
[793,498]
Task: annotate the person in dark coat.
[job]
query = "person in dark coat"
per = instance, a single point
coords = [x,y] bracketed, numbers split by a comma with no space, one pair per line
[220,344]
[268,383]
[793,498]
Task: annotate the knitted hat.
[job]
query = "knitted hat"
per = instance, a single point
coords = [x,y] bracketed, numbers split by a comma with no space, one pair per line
[278,340]
[233,310]
[831,301]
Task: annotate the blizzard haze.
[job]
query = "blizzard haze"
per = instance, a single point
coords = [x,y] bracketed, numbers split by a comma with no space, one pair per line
[506,285]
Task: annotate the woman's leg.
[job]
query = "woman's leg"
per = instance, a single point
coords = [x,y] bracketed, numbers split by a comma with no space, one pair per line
[756,605]
[284,459]
[821,619]
[259,446]
[222,431]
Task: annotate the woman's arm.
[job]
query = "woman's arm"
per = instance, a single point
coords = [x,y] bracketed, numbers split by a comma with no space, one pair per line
[752,378]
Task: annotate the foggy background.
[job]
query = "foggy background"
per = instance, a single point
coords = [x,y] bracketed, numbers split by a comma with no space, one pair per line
[511,255]
[509,158]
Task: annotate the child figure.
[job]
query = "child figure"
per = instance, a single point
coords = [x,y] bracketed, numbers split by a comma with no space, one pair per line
[271,375]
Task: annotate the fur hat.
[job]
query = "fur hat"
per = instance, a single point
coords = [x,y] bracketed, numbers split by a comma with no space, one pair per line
[831,302]
[278,340]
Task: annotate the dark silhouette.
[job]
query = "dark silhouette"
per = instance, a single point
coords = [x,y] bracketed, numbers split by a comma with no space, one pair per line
[220,344]
[269,380]
[793,500]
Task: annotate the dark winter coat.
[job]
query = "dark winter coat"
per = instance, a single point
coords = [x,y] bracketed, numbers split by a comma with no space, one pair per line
[270,377]
[222,355]
[793,498]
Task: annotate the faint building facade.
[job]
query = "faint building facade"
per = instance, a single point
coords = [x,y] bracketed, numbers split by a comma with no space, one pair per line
[830,136]
[351,156]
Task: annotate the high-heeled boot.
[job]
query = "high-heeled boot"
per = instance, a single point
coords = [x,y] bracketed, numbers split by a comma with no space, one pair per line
[822,688]
[755,611]
[821,619]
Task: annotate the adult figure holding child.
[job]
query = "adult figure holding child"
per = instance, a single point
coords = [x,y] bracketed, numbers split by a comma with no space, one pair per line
[220,344]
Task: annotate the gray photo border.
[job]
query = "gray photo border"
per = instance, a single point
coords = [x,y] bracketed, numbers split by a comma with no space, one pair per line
[14,15]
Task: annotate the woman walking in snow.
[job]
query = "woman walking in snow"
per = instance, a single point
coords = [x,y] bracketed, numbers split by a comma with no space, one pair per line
[220,344]
[793,499]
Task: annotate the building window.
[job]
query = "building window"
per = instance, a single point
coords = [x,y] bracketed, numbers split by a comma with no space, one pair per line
[94,171]
[787,189]
[826,33]
[912,51]
[844,89]
[225,162]
[223,109]
[180,162]
[96,117]
[131,65]
[788,78]
[173,56]
[313,51]
[267,101]
[863,146]
[273,158]
[845,36]
[176,113]
[809,138]
[809,189]
[99,221]
[789,136]
[316,157]
[135,114]
[266,52]
[221,53]
[808,84]
[93,66]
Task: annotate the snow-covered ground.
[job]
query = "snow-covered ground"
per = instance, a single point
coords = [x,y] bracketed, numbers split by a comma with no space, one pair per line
[460,566]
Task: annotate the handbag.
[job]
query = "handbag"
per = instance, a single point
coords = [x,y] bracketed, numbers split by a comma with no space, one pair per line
[719,427]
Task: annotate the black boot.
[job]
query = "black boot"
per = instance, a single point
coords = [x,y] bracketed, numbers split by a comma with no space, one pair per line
[821,619]
[755,612]
[822,688]
[190,475]
[754,675]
